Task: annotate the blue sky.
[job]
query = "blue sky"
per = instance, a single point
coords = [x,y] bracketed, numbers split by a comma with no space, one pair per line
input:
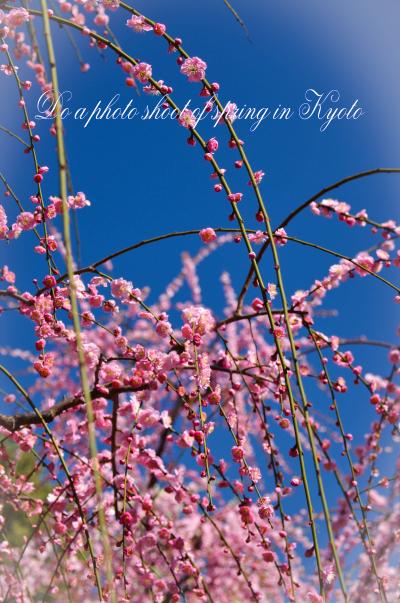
[143,179]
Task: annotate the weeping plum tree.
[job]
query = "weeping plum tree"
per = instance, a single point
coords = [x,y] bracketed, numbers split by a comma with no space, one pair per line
[110,485]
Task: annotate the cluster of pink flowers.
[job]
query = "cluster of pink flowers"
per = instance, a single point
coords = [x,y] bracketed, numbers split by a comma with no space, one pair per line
[194,68]
[13,19]
[27,220]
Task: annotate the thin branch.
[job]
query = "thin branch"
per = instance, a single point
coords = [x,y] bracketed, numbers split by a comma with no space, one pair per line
[347,258]
[303,206]
[238,18]
[14,135]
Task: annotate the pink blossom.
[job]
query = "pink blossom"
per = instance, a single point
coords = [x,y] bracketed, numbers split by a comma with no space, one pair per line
[187,118]
[314,597]
[269,556]
[138,24]
[159,29]
[215,396]
[143,72]
[92,353]
[148,417]
[212,145]
[194,68]
[26,439]
[254,474]
[110,4]
[128,518]
[204,373]
[60,528]
[26,220]
[101,18]
[280,237]
[199,319]
[246,514]
[272,290]
[258,176]
[163,328]
[257,237]
[237,454]
[229,113]
[7,275]
[121,288]
[7,69]
[49,281]
[208,235]
[235,197]
[365,261]
[3,223]
[79,201]
[16,17]
[257,304]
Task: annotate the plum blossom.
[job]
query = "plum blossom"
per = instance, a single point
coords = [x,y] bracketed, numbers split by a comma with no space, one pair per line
[138,24]
[163,328]
[208,235]
[212,145]
[142,71]
[26,221]
[272,290]
[159,29]
[194,68]
[237,454]
[199,319]
[7,275]
[258,237]
[258,176]
[121,288]
[187,118]
[101,18]
[235,197]
[3,223]
[229,113]
[314,597]
[204,374]
[110,4]
[78,201]
[280,237]
[16,17]
[8,70]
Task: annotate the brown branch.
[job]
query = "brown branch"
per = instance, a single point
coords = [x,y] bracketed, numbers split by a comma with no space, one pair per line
[16,422]
[17,296]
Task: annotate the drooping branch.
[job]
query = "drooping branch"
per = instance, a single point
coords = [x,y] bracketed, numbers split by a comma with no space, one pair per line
[303,206]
